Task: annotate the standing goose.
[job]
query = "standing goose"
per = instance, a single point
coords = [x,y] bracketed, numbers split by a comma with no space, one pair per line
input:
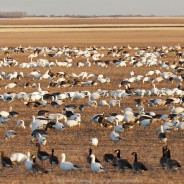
[28,162]
[67,166]
[6,161]
[162,135]
[165,156]
[89,157]
[42,155]
[138,166]
[53,159]
[95,166]
[172,164]
[58,125]
[122,163]
[114,136]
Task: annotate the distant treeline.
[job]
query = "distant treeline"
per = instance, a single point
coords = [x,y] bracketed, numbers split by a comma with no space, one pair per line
[18,14]
[14,14]
[91,16]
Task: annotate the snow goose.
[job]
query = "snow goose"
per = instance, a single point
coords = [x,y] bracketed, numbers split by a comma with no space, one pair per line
[53,159]
[92,103]
[72,123]
[9,134]
[18,157]
[6,161]
[20,123]
[145,122]
[58,125]
[11,85]
[95,166]
[138,166]
[28,162]
[103,103]
[67,166]
[41,139]
[114,103]
[93,141]
[118,128]
[176,110]
[114,136]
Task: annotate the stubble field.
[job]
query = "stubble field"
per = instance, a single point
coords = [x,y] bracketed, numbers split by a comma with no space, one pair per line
[74,142]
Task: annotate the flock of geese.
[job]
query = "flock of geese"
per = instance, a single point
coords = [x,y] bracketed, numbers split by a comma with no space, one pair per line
[160,71]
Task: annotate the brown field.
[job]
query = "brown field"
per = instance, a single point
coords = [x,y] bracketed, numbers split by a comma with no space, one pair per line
[74,141]
[99,20]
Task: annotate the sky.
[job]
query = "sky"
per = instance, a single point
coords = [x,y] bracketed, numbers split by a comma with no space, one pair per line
[95,7]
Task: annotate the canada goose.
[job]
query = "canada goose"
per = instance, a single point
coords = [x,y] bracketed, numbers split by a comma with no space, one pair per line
[37,168]
[67,166]
[13,113]
[42,112]
[165,156]
[53,159]
[42,155]
[138,166]
[95,166]
[6,161]
[172,164]
[108,157]
[89,158]
[121,163]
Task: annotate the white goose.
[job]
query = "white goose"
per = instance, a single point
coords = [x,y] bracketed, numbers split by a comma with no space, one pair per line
[41,139]
[20,123]
[93,141]
[103,103]
[118,128]
[95,166]
[66,166]
[28,162]
[58,125]
[18,157]
[72,123]
[11,85]
[114,136]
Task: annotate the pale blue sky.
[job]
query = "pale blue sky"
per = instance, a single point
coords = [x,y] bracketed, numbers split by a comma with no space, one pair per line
[96,7]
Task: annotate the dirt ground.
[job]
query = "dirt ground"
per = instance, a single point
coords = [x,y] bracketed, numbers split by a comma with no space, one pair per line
[74,141]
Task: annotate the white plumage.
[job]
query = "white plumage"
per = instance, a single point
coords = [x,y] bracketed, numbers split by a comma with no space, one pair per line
[95,167]
[93,141]
[66,166]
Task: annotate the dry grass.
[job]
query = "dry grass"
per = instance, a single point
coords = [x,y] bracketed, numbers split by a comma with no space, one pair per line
[100,20]
[74,141]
